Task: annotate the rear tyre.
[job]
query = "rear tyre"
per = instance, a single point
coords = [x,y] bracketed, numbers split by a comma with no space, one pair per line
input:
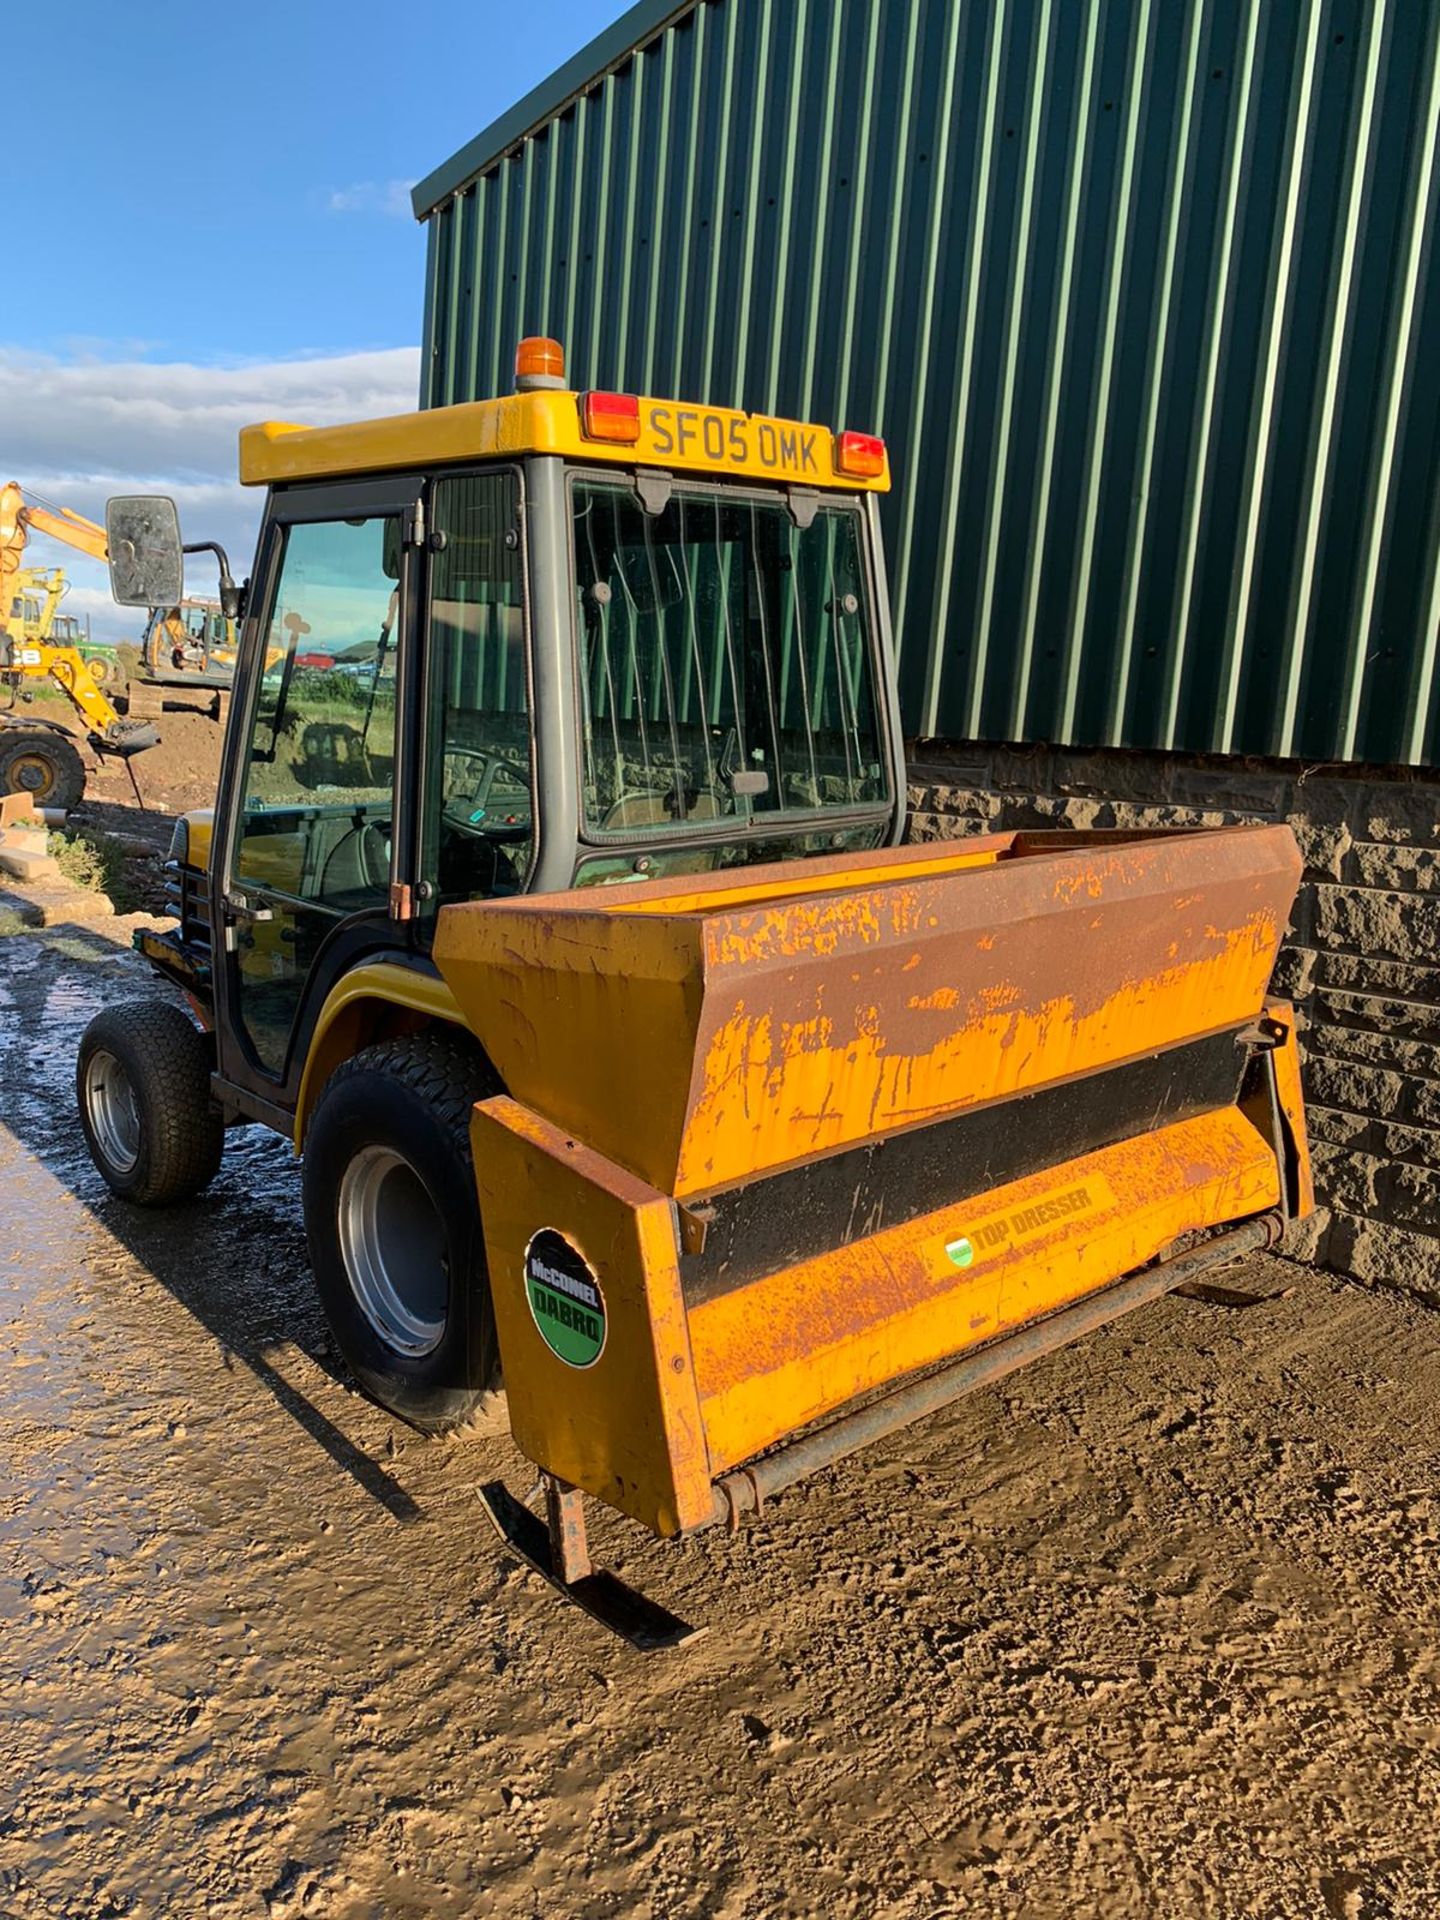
[45,765]
[394,1227]
[142,1083]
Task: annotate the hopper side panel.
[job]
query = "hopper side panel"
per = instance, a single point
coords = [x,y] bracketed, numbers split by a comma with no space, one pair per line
[589,1019]
[827,1022]
[623,1424]
[787,1349]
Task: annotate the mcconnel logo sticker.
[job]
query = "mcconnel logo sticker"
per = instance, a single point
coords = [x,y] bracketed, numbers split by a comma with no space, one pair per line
[565,1299]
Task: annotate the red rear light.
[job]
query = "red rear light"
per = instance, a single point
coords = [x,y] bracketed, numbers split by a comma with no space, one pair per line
[610,416]
[861,455]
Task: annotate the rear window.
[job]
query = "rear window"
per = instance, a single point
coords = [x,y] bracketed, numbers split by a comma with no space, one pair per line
[727,656]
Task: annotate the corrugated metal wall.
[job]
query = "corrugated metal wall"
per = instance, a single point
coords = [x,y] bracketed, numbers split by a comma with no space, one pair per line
[1142,293]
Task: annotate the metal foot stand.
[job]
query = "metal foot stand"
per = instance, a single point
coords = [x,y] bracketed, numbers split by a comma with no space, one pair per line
[565,1516]
[558,1550]
[135,784]
[106,751]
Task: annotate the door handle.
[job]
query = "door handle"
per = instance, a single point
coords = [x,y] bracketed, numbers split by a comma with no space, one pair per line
[237,907]
[240,913]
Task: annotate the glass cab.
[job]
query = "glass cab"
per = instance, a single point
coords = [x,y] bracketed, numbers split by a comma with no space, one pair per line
[459,685]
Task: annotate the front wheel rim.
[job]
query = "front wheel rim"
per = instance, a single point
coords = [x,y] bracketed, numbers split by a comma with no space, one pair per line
[113,1111]
[393,1244]
[34,774]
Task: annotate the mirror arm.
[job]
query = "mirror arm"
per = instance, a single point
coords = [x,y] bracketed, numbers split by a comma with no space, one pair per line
[232,601]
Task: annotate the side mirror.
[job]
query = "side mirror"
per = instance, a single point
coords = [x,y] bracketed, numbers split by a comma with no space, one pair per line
[147,566]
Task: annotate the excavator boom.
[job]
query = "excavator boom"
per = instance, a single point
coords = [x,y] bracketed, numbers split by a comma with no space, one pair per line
[19,517]
[72,529]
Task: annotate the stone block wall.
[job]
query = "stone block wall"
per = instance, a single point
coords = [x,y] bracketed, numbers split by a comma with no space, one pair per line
[1362,961]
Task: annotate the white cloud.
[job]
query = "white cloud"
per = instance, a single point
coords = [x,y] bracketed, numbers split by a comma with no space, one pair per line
[391,197]
[74,432]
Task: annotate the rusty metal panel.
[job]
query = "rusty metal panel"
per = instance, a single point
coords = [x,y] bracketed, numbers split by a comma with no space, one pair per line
[670,1398]
[624,1424]
[794,1018]
[1137,291]
[794,1345]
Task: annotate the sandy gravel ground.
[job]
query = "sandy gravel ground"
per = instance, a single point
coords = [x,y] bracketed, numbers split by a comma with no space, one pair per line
[1151,1630]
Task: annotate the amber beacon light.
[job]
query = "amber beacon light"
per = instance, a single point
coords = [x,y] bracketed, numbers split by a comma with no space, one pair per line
[539,361]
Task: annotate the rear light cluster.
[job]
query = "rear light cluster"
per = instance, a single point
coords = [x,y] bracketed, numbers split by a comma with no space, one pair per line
[859,455]
[611,416]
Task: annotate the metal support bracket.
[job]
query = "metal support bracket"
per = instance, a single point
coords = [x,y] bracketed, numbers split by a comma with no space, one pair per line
[565,1513]
[803,504]
[653,489]
[560,1554]
[1262,1035]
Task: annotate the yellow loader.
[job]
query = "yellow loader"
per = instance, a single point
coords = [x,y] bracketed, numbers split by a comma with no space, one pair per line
[555,904]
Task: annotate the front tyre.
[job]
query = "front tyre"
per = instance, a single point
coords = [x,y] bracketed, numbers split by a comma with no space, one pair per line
[142,1083]
[45,765]
[394,1227]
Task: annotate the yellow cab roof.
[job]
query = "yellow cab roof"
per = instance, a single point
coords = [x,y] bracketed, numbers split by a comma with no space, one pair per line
[673,436]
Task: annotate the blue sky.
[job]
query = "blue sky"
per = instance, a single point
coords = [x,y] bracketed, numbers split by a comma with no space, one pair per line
[211,211]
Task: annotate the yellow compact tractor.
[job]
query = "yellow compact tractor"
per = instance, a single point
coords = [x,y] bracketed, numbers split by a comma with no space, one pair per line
[554,904]
[39,756]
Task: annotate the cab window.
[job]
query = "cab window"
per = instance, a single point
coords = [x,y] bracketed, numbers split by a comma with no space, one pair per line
[477,816]
[317,813]
[323,739]
[728,664]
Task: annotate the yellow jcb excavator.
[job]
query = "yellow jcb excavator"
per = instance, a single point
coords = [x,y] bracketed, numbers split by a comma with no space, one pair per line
[39,756]
[35,594]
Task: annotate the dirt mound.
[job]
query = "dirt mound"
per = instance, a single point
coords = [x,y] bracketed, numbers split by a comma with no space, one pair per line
[174,776]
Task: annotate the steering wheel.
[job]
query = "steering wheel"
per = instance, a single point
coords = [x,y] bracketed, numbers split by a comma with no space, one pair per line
[462,814]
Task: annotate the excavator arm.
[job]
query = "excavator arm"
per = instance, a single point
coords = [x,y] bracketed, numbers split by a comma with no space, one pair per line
[67,667]
[72,529]
[20,517]
[12,547]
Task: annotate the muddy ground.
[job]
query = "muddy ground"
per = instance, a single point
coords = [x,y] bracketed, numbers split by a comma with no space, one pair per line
[1150,1630]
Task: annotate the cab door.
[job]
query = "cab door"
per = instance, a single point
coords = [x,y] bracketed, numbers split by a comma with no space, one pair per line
[319,847]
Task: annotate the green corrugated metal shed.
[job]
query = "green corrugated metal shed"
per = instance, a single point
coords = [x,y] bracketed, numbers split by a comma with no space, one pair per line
[1137,290]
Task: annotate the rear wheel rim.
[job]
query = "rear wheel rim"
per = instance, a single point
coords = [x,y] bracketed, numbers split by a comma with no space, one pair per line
[392,1240]
[113,1111]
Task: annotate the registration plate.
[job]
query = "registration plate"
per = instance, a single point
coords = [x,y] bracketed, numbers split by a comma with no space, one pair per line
[716,437]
